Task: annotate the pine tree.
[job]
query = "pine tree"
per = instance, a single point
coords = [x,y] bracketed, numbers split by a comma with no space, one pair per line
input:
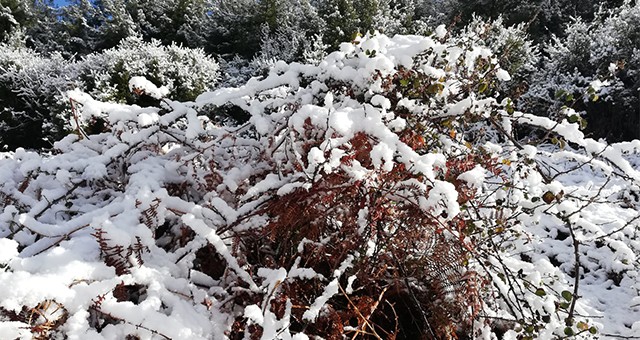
[13,15]
[595,69]
[233,28]
[342,21]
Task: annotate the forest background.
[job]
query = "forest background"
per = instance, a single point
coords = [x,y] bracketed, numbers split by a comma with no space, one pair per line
[296,169]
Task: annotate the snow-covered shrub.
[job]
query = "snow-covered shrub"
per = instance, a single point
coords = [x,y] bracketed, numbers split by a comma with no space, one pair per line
[31,97]
[35,112]
[544,18]
[379,193]
[594,70]
[511,44]
[185,72]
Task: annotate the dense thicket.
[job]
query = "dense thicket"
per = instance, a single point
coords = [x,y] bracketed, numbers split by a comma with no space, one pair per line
[553,49]
[380,193]
[594,69]
[302,169]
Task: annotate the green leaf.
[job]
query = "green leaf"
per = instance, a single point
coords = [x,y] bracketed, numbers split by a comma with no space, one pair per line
[540,292]
[435,88]
[567,295]
[510,109]
[568,331]
[583,124]
[573,119]
[404,82]
[564,305]
[483,87]
[593,330]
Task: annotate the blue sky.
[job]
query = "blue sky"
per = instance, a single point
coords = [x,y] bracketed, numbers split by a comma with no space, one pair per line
[60,2]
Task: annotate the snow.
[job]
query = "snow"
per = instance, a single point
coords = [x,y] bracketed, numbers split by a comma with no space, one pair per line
[474,177]
[441,31]
[503,75]
[598,84]
[142,85]
[8,250]
[312,313]
[254,313]
[169,182]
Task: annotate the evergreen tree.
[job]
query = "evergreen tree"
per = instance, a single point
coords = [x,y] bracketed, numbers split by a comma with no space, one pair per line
[178,21]
[13,15]
[290,31]
[44,32]
[342,21]
[233,28]
[595,69]
[118,24]
[82,22]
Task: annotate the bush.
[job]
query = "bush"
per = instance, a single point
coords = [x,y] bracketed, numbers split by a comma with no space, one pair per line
[380,193]
[35,111]
[185,72]
[594,69]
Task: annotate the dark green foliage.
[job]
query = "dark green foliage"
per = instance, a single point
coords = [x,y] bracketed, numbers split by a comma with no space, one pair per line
[543,17]
[234,28]
[346,18]
[13,14]
[601,53]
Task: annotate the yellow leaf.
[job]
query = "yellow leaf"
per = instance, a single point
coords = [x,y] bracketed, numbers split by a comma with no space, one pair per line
[583,326]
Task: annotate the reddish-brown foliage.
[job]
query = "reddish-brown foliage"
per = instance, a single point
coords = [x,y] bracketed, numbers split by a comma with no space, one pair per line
[414,282]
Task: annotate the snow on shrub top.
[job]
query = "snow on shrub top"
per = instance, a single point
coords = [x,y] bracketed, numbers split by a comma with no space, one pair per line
[36,112]
[380,191]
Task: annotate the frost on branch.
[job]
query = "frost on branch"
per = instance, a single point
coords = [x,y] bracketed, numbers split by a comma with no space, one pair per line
[380,193]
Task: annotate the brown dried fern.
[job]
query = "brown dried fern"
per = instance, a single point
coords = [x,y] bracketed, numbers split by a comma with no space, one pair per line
[46,318]
[117,256]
